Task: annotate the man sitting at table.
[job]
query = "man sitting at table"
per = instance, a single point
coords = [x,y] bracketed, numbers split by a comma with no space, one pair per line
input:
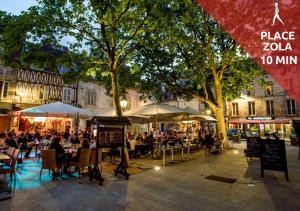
[149,141]
[10,141]
[23,140]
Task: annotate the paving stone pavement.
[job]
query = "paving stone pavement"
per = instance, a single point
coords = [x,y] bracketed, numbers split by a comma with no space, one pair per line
[177,187]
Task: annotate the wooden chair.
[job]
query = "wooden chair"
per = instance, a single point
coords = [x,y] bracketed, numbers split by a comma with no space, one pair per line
[11,169]
[21,152]
[41,147]
[93,159]
[10,151]
[93,156]
[49,161]
[84,160]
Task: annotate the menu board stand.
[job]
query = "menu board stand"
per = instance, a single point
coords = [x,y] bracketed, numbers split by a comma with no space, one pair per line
[273,156]
[253,147]
[110,133]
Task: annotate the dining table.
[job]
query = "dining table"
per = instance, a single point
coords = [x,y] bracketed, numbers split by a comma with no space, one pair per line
[4,157]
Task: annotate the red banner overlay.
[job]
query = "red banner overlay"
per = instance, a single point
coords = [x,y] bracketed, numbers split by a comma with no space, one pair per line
[268,30]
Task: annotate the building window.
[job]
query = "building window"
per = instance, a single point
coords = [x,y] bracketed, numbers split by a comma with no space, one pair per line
[268,89]
[235,109]
[270,107]
[41,92]
[251,108]
[291,106]
[4,88]
[67,95]
[91,98]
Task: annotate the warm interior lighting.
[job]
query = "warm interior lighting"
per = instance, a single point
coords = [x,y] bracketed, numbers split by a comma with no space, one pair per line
[39,119]
[208,111]
[123,103]
[243,96]
[236,152]
[157,168]
[22,93]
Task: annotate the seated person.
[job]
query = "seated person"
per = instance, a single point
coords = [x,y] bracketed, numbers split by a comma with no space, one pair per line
[47,140]
[138,138]
[25,146]
[93,143]
[59,150]
[10,141]
[74,139]
[145,137]
[85,145]
[2,140]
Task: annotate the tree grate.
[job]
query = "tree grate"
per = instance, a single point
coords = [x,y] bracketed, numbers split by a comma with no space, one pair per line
[221,179]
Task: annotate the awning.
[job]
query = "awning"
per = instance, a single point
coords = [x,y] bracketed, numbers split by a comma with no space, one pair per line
[57,109]
[246,121]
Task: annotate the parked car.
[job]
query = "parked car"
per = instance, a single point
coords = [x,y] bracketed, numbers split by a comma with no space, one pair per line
[233,131]
[236,131]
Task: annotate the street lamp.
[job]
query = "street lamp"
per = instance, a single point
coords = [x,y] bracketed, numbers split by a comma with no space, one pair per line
[208,111]
[22,94]
[123,104]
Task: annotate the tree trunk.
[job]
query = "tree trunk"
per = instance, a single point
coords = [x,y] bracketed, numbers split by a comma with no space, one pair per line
[220,124]
[118,110]
[116,93]
[219,111]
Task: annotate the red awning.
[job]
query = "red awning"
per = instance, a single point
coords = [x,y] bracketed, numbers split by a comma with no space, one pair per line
[246,121]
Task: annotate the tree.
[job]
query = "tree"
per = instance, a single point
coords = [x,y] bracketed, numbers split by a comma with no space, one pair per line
[100,36]
[191,55]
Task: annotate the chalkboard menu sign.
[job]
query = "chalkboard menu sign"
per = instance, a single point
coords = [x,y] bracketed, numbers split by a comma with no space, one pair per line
[109,137]
[253,147]
[273,156]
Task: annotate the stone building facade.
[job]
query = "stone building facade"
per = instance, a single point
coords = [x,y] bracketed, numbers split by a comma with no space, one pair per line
[25,88]
[266,108]
[93,96]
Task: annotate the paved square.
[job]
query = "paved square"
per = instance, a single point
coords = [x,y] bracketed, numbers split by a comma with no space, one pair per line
[175,187]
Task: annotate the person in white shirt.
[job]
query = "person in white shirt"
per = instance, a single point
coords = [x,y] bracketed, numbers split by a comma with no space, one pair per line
[47,141]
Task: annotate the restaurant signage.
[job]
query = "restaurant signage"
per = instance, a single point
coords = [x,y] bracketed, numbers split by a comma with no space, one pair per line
[273,156]
[253,147]
[110,137]
[260,118]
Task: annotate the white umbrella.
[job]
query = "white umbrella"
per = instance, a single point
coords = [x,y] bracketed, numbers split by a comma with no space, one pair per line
[159,111]
[164,112]
[54,110]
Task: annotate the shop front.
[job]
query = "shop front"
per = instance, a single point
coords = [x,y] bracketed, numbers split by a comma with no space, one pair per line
[262,125]
[54,117]
[51,124]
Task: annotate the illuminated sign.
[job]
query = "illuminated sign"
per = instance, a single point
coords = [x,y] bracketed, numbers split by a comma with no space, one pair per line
[39,119]
[260,118]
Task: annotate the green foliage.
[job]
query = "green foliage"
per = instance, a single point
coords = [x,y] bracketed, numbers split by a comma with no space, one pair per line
[189,53]
[147,44]
[100,37]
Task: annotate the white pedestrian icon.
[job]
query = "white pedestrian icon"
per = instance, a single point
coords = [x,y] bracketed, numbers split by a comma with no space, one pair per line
[276,14]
